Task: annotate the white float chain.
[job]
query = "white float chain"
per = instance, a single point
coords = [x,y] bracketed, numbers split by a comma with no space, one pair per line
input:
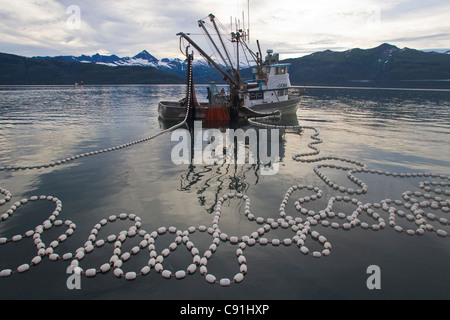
[417,207]
[301,228]
[286,222]
[100,151]
[42,249]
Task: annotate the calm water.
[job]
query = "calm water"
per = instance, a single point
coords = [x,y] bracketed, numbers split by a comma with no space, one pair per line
[389,130]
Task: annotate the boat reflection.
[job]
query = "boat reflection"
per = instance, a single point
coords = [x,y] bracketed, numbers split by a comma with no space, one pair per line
[211,181]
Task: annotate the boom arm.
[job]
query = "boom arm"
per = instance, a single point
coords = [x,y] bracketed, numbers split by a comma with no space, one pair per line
[207,57]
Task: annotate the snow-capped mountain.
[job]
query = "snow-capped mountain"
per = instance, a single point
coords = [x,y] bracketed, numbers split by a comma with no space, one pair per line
[385,65]
[145,59]
[385,62]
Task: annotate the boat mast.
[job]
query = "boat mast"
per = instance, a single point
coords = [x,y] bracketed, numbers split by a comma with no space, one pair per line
[236,37]
[236,73]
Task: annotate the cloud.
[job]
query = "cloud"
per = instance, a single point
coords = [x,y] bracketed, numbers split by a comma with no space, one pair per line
[444,36]
[291,27]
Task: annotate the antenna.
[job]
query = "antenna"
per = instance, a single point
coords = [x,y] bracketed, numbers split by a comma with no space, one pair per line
[248,19]
[245,28]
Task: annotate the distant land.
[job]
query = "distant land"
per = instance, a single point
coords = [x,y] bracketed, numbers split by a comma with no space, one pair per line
[385,65]
[17,70]
[382,66]
[144,59]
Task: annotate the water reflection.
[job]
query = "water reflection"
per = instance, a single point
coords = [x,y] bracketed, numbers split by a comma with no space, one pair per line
[404,105]
[382,129]
[237,176]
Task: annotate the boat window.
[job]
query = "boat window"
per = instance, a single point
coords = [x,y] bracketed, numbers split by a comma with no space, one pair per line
[281,70]
[282,92]
[256,95]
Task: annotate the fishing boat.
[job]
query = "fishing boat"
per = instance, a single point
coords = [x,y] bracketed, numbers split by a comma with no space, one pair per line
[268,92]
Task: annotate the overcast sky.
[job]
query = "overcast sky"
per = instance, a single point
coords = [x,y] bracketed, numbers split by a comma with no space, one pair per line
[292,27]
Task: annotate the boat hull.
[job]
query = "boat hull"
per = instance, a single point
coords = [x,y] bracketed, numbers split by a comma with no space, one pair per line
[171,110]
[287,107]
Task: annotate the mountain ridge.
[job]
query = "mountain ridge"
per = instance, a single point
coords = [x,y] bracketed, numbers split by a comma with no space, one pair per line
[174,66]
[18,70]
[384,65]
